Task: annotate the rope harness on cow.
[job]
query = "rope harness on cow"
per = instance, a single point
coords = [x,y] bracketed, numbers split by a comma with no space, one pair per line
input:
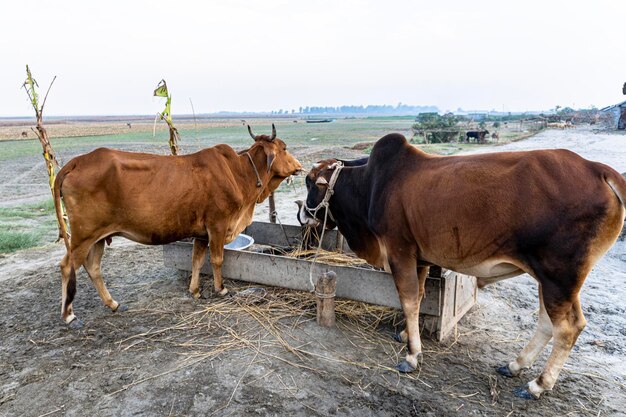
[338,166]
[256,172]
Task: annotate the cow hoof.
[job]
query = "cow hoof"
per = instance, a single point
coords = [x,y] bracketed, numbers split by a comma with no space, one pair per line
[404,367]
[398,338]
[420,358]
[223,292]
[505,371]
[121,308]
[522,392]
[76,324]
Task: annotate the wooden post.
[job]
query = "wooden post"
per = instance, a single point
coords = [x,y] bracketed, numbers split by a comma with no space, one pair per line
[339,242]
[325,292]
[272,208]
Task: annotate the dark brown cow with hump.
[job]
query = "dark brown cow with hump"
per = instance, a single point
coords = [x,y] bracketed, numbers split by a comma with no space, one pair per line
[551,214]
[154,200]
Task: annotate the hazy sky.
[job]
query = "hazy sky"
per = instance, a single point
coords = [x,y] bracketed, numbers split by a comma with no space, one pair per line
[240,55]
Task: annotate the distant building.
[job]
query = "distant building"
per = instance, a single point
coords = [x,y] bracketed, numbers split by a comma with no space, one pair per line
[477,116]
[617,115]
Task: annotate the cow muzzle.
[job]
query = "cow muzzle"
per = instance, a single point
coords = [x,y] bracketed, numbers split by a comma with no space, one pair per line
[304,217]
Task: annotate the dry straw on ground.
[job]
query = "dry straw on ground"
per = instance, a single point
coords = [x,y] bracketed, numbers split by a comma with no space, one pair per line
[270,324]
[273,324]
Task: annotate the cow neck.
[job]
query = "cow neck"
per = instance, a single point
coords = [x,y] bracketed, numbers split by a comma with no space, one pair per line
[258,169]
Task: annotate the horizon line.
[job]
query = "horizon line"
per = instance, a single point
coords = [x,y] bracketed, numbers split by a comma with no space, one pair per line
[224,113]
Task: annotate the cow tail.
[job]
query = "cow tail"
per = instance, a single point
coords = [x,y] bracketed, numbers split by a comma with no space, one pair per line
[58,207]
[63,233]
[618,185]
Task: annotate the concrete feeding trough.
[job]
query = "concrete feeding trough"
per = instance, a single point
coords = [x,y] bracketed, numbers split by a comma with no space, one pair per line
[449,295]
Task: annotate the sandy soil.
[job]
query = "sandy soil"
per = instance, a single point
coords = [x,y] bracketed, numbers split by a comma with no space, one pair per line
[155,360]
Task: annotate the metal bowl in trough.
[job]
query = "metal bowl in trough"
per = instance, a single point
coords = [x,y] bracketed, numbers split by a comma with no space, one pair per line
[241,242]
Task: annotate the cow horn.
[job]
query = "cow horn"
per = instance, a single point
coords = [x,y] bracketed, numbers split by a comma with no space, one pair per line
[250,131]
[273,132]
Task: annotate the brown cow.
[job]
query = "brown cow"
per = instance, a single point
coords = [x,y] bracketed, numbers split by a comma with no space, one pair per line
[154,200]
[551,214]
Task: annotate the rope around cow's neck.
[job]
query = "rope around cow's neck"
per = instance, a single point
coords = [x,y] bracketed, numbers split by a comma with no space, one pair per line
[324,203]
[256,172]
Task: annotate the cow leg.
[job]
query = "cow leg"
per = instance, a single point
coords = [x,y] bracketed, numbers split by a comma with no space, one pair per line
[410,283]
[198,258]
[92,266]
[216,249]
[69,265]
[567,323]
[535,346]
[68,290]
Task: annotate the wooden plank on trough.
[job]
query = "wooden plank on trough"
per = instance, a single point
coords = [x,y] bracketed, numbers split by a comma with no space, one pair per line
[370,286]
[465,294]
[459,295]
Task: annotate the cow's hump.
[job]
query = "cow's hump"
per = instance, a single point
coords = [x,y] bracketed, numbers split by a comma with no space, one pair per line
[388,147]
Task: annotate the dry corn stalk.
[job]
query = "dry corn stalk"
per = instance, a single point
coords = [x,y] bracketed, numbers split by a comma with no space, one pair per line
[166,114]
[48,153]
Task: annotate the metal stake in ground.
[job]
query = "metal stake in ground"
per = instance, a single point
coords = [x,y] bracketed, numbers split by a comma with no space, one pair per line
[325,292]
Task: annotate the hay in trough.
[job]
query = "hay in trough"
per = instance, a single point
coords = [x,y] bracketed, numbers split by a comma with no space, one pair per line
[328,257]
[311,237]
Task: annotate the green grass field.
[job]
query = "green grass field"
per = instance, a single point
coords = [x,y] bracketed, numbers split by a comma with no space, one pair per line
[27,226]
[24,148]
[343,132]
[340,132]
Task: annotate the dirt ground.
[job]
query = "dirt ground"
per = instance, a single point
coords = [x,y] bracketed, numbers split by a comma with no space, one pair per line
[172,355]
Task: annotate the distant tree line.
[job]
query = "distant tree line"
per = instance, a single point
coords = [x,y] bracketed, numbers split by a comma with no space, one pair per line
[369,109]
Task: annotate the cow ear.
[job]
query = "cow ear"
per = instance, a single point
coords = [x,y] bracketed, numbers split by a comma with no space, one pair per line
[270,160]
[321,181]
